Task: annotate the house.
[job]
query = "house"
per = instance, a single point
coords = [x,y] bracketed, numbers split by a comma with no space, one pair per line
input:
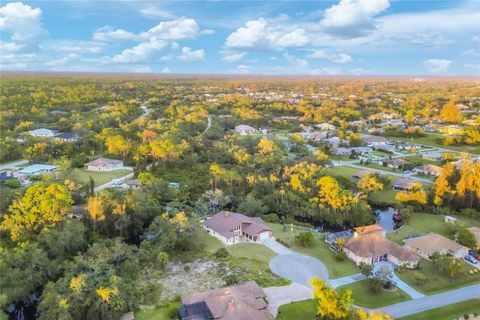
[35,169]
[396,163]
[343,151]
[103,164]
[432,156]
[425,246]
[77,212]
[452,130]
[127,316]
[362,173]
[317,136]
[133,184]
[372,141]
[429,169]
[450,219]
[363,151]
[369,245]
[325,126]
[245,130]
[231,228]
[404,185]
[18,137]
[42,132]
[476,233]
[335,141]
[5,175]
[67,136]
[246,301]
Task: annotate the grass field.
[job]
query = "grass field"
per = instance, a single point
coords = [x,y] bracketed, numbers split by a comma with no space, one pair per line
[321,251]
[449,312]
[386,195]
[252,251]
[342,171]
[435,140]
[421,160]
[297,310]
[100,178]
[362,296]
[437,281]
[157,313]
[423,223]
[378,167]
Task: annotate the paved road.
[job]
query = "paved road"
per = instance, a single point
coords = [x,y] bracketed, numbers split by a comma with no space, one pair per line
[432,302]
[13,164]
[278,296]
[109,184]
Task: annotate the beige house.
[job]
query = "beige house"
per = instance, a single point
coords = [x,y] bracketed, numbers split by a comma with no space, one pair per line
[476,233]
[431,243]
[369,245]
[232,228]
[245,301]
[245,130]
[103,164]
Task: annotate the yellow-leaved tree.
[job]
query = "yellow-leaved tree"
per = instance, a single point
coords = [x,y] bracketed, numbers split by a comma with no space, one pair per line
[369,184]
[332,196]
[331,305]
[451,113]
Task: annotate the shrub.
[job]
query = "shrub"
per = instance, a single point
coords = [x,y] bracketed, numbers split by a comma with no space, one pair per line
[272,218]
[340,256]
[305,239]
[375,285]
[221,253]
[12,183]
[420,278]
[186,268]
[231,279]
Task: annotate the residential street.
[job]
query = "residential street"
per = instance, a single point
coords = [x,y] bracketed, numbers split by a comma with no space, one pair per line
[109,184]
[433,301]
[13,164]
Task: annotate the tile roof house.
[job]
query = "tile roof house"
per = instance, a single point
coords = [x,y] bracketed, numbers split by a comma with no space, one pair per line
[476,233]
[369,245]
[431,243]
[42,132]
[67,136]
[103,164]
[371,141]
[429,169]
[244,130]
[240,302]
[231,228]
[404,185]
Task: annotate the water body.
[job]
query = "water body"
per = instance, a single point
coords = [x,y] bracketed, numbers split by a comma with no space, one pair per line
[385,218]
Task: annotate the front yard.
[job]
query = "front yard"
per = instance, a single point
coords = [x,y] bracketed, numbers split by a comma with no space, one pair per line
[321,251]
[453,311]
[364,298]
[297,310]
[436,280]
[82,176]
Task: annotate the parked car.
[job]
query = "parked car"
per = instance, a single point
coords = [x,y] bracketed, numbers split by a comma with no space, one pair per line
[471,259]
[474,253]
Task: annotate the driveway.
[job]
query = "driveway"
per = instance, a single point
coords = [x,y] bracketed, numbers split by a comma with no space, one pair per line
[346,280]
[278,296]
[432,302]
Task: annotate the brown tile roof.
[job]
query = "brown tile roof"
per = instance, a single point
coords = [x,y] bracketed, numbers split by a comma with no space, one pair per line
[433,242]
[371,245]
[225,221]
[241,302]
[404,183]
[103,162]
[369,229]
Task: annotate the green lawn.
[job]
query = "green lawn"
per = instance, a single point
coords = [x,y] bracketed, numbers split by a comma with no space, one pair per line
[157,313]
[421,160]
[437,281]
[424,222]
[386,195]
[321,251]
[449,312]
[363,298]
[297,310]
[378,167]
[100,178]
[381,153]
[343,171]
[252,251]
[210,243]
[435,140]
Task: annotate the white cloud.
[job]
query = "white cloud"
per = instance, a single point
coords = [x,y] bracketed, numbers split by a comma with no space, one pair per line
[142,52]
[23,23]
[424,39]
[475,67]
[353,18]
[437,65]
[190,55]
[72,46]
[263,34]
[326,71]
[10,47]
[334,57]
[62,61]
[166,70]
[233,57]
[243,69]
[296,61]
[476,39]
[109,34]
[152,11]
[340,58]
[470,54]
[142,69]
[359,71]
[180,29]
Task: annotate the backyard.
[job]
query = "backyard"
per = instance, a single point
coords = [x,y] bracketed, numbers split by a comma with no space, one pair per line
[321,251]
[364,298]
[100,178]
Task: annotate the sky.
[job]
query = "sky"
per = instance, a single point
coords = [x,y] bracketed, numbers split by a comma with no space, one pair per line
[343,37]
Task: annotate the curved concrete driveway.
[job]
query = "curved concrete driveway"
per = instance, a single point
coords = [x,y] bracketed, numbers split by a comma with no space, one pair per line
[298,267]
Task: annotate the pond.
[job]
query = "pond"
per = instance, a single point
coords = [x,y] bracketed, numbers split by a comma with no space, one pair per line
[385,218]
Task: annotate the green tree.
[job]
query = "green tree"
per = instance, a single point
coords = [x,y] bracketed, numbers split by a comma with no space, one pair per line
[466,238]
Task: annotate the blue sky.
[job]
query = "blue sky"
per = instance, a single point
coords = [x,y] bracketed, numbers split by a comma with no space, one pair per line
[348,37]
